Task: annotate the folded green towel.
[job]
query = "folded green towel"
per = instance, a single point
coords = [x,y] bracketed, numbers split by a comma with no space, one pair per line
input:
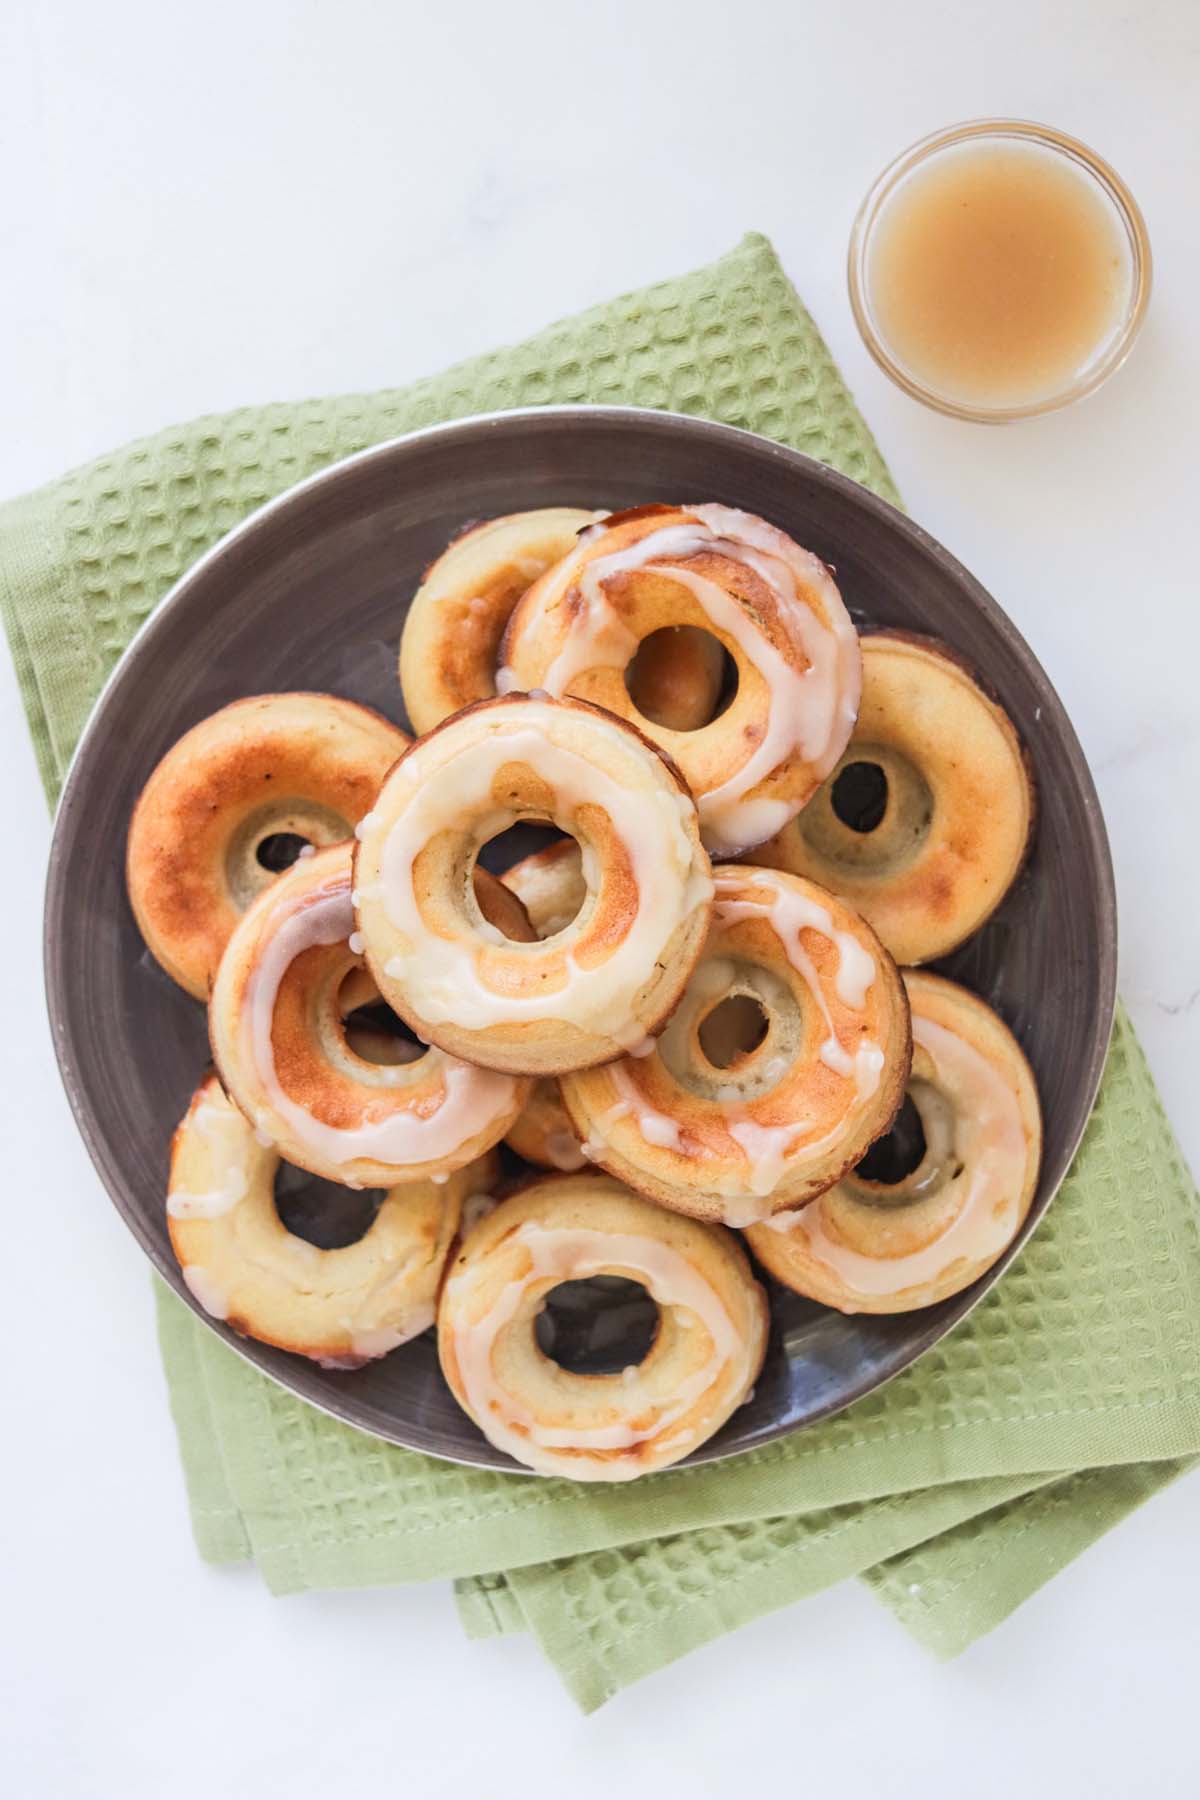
[1069,1395]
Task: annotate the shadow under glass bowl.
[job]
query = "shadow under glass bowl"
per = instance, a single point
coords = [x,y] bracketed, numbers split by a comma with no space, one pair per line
[311,593]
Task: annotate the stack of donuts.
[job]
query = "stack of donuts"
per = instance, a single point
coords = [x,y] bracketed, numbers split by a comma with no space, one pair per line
[672,1048]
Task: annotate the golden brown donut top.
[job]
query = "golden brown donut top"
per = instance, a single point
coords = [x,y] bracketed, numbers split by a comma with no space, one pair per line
[301,765]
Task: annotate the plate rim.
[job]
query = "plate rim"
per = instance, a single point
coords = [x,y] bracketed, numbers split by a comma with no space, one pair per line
[729,437]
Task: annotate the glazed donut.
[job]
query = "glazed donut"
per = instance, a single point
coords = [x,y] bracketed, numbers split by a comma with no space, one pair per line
[775,609]
[880,1244]
[280,1044]
[550,886]
[605,980]
[451,639]
[739,1129]
[704,1359]
[276,765]
[341,1308]
[928,816]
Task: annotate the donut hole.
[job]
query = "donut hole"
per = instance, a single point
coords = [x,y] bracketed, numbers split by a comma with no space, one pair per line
[736,1034]
[280,849]
[378,1035]
[681,677]
[272,838]
[860,796]
[899,1153]
[874,814]
[735,1027]
[513,845]
[321,1212]
[597,1327]
[516,842]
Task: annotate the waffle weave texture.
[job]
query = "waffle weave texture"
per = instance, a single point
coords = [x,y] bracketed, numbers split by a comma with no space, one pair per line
[1069,1395]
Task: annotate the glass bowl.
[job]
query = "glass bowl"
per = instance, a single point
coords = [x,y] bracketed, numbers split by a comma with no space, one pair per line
[1110,353]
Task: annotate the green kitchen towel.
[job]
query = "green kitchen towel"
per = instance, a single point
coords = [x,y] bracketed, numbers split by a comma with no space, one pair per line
[1069,1394]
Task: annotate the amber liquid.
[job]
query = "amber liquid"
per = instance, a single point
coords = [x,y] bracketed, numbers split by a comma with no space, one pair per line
[997,273]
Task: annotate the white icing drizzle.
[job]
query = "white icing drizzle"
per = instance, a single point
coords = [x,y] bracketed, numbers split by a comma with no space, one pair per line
[991,1144]
[225,1132]
[443,973]
[473,1099]
[211,1205]
[810,713]
[576,1255]
[207,1290]
[356,943]
[766,1148]
[305,852]
[594,1145]
[868,1069]
[657,1128]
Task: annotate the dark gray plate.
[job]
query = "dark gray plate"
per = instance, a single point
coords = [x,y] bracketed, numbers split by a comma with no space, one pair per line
[311,593]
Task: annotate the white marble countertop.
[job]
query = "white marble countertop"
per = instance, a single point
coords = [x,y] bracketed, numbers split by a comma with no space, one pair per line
[248,202]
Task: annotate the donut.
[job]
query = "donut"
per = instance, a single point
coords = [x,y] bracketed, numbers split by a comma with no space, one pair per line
[609,977]
[784,1060]
[705,1356]
[280,1043]
[927,818]
[341,1308]
[451,637]
[885,1241]
[773,607]
[212,823]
